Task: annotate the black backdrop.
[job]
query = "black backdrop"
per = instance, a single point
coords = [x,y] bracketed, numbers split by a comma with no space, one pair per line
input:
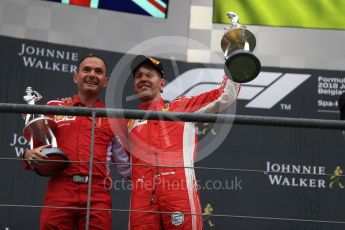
[249,197]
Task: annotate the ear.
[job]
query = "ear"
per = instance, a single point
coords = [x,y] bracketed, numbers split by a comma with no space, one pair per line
[106,81]
[162,84]
[75,78]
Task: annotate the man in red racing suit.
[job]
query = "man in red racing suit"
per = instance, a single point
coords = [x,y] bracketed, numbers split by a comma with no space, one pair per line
[65,202]
[164,193]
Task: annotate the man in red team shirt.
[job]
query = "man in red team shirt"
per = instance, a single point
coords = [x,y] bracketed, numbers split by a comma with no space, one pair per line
[69,188]
[153,144]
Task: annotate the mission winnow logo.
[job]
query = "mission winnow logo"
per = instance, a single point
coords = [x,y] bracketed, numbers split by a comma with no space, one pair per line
[263,92]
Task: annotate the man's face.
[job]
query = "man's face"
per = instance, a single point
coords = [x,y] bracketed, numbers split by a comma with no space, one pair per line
[91,77]
[147,83]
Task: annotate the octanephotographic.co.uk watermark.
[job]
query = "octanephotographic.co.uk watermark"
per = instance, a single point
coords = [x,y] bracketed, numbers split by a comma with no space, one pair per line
[234,183]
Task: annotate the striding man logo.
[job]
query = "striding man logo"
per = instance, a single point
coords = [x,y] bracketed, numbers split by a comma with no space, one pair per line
[208,210]
[336,178]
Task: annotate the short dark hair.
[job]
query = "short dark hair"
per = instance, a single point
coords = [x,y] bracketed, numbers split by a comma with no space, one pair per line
[93,56]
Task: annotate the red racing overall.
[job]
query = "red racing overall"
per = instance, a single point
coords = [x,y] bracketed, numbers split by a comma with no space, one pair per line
[170,143]
[74,139]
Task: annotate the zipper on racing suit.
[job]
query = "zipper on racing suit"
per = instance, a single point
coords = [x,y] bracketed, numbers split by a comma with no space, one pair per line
[155,178]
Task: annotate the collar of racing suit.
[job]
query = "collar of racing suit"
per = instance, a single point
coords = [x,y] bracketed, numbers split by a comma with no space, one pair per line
[153,105]
[76,102]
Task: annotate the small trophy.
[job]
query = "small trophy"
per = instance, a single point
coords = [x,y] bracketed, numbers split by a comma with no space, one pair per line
[241,64]
[39,130]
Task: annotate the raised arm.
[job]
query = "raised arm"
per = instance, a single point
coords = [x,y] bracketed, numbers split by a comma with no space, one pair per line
[211,101]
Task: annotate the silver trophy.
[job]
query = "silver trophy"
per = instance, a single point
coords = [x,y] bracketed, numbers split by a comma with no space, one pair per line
[39,130]
[241,64]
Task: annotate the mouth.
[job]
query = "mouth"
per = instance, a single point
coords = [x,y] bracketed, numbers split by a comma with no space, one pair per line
[91,82]
[143,87]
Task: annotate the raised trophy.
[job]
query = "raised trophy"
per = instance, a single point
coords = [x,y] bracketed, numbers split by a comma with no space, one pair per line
[39,130]
[241,64]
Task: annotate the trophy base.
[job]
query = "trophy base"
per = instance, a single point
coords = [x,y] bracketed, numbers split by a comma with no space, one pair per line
[242,66]
[51,168]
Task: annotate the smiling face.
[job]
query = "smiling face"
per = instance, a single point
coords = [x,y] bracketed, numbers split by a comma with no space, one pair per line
[148,83]
[91,77]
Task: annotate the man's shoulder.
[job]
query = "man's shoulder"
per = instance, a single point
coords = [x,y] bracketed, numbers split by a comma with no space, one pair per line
[58,103]
[179,100]
[175,105]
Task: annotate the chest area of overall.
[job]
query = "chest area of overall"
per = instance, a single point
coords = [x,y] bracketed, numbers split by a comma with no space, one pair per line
[80,127]
[136,127]
[155,128]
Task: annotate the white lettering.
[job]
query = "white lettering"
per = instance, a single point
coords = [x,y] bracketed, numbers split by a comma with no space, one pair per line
[56,66]
[22,140]
[285,168]
[286,181]
[39,51]
[274,179]
[47,67]
[267,166]
[296,182]
[29,61]
[73,69]
[322,184]
[275,168]
[64,68]
[22,50]
[322,170]
[14,140]
[30,50]
[74,56]
[60,54]
[39,65]
[303,182]
[50,53]
[296,169]
[19,151]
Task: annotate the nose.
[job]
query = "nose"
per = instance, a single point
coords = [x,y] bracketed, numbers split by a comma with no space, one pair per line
[92,74]
[143,78]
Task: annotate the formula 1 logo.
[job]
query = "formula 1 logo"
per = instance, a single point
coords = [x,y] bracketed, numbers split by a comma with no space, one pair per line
[263,92]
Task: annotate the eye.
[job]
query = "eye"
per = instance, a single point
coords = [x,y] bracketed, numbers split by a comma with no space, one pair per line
[86,69]
[99,71]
